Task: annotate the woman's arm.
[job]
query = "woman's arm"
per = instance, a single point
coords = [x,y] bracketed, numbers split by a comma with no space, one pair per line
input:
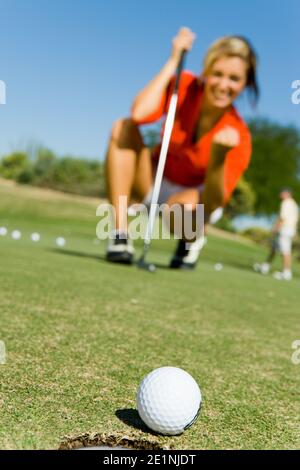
[149,99]
[214,188]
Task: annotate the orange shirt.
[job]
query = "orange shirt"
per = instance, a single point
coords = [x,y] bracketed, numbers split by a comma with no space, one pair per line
[187,161]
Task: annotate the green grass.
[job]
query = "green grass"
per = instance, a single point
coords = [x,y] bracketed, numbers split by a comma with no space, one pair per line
[81,333]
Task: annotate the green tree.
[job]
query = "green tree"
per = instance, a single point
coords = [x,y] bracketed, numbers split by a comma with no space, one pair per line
[275,163]
[14,164]
[242,200]
[72,175]
[43,166]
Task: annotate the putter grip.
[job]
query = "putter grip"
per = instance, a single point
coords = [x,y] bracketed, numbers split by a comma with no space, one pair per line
[179,70]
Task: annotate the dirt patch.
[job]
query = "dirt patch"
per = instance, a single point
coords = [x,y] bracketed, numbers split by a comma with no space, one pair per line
[109,440]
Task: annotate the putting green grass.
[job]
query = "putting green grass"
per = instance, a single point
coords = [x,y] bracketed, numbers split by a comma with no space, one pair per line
[80,334]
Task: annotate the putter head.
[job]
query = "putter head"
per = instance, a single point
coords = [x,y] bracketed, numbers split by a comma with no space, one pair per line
[142,264]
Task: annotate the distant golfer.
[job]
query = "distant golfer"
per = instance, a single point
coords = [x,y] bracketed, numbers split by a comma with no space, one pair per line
[284,231]
[210,146]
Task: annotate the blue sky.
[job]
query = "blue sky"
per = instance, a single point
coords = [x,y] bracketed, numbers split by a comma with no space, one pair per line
[71,67]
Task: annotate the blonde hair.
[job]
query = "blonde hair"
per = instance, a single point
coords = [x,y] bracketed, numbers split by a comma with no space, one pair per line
[235,46]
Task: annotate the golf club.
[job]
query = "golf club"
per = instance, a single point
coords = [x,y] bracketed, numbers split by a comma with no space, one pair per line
[160,169]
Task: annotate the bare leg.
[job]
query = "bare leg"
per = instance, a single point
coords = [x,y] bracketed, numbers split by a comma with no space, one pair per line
[214,191]
[128,167]
[191,232]
[190,197]
[143,179]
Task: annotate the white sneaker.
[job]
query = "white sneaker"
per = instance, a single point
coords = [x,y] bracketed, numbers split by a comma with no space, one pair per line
[187,254]
[285,275]
[262,268]
[120,249]
[256,267]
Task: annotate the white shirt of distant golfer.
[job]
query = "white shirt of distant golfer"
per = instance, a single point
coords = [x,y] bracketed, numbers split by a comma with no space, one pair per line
[289,215]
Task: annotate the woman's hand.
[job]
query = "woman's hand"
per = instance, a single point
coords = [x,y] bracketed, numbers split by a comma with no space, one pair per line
[228,138]
[223,141]
[182,41]
[148,100]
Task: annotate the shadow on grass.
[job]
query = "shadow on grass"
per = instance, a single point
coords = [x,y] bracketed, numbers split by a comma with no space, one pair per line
[81,254]
[234,264]
[240,265]
[131,418]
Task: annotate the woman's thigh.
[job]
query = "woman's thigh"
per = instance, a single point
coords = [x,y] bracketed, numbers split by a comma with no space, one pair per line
[188,196]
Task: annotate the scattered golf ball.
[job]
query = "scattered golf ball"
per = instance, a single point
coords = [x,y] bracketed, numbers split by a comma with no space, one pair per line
[218,266]
[168,400]
[35,237]
[60,241]
[16,234]
[3,231]
[151,268]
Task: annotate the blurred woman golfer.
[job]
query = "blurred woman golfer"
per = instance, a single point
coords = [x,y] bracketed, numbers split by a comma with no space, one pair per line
[210,146]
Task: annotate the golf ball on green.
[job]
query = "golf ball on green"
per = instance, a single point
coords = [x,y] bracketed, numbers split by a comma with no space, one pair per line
[3,231]
[218,266]
[168,400]
[35,237]
[60,241]
[16,234]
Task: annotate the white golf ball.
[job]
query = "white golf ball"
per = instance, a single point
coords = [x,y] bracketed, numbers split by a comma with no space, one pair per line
[60,241]
[151,268]
[3,231]
[16,234]
[168,400]
[35,237]
[218,266]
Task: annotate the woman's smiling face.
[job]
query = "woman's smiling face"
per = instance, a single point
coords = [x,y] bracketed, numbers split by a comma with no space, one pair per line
[225,81]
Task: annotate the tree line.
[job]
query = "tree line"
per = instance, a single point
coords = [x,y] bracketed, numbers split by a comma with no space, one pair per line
[44,168]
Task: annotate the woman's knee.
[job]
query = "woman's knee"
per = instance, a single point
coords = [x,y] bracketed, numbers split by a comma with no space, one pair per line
[125,132]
